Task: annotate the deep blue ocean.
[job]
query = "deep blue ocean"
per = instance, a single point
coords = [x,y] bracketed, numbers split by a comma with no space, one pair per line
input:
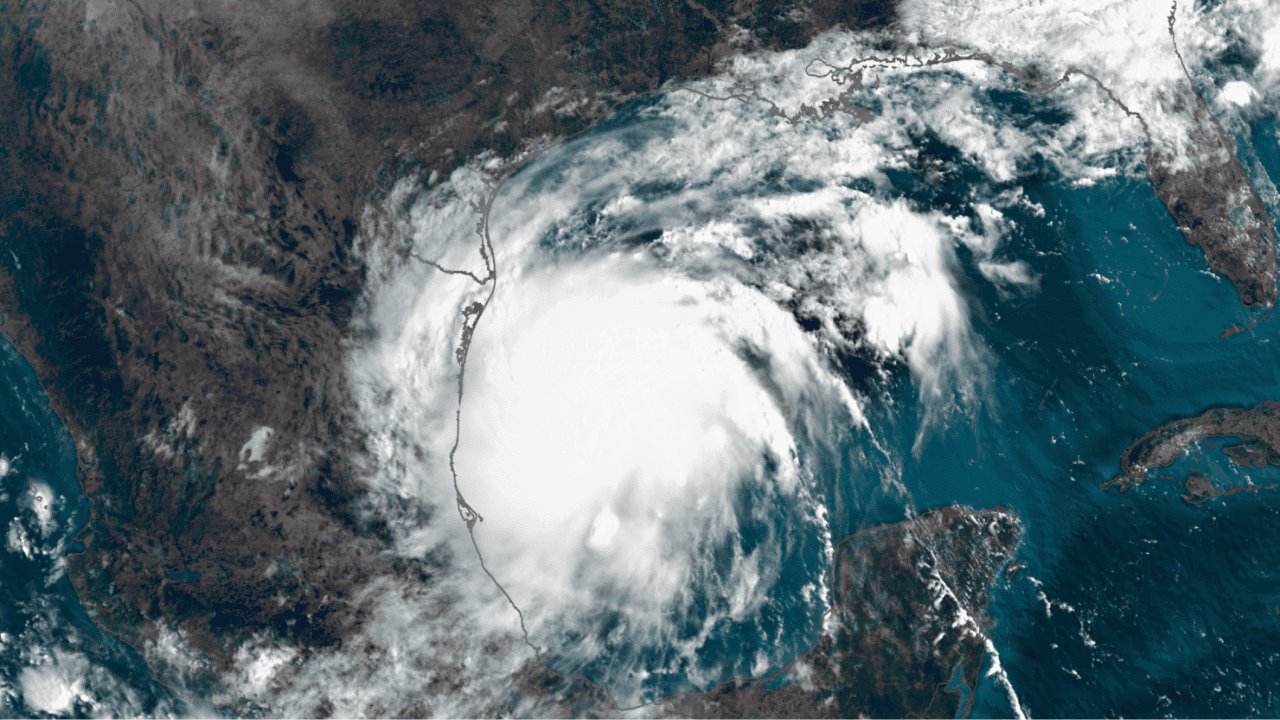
[1132,604]
[1129,604]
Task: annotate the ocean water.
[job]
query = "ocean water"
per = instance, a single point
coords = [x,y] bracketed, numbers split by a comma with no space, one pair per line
[53,659]
[1128,603]
[1125,603]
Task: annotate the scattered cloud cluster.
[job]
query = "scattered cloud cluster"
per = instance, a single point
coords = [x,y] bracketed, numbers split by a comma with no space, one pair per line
[51,660]
[623,360]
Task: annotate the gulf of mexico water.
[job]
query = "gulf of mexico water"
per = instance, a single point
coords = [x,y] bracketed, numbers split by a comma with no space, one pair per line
[1136,603]
[53,659]
[1125,604]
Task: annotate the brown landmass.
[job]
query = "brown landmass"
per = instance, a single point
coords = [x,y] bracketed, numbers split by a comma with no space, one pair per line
[1210,196]
[1198,489]
[909,606]
[908,620]
[181,187]
[1214,203]
[1256,431]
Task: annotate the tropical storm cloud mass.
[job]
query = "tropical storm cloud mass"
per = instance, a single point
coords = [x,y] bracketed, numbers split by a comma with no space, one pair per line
[812,359]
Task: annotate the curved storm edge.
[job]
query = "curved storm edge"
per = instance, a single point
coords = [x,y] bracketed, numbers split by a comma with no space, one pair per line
[449,269]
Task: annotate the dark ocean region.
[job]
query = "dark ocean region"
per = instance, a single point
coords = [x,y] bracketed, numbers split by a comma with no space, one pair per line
[1135,603]
[53,659]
